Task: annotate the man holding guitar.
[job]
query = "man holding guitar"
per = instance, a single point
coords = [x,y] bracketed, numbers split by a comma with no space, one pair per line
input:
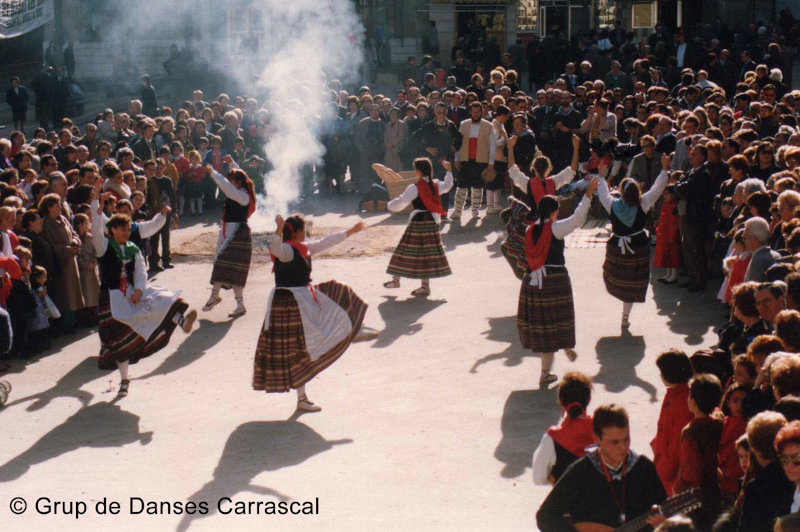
[609,486]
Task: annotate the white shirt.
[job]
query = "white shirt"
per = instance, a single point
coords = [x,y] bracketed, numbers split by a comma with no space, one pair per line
[649,198]
[796,501]
[559,180]
[410,194]
[285,252]
[544,458]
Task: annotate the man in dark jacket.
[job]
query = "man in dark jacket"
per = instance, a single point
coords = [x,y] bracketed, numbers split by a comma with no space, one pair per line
[609,485]
[60,92]
[148,97]
[17,99]
[144,148]
[43,90]
[697,189]
[439,139]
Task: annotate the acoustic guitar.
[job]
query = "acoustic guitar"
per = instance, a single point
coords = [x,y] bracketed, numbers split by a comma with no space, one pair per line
[683,502]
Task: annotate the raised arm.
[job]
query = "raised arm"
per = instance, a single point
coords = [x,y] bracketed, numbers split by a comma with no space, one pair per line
[604,195]
[447,184]
[650,197]
[239,195]
[336,238]
[151,227]
[561,228]
[98,229]
[403,200]
[520,180]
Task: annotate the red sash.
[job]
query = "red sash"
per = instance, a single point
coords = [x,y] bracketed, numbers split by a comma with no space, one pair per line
[473,148]
[538,190]
[537,253]
[574,435]
[430,198]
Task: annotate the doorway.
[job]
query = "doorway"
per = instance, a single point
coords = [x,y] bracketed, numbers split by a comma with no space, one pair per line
[554,19]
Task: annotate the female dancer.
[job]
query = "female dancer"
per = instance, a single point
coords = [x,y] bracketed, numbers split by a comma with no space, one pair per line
[420,254]
[626,270]
[135,321]
[307,327]
[517,217]
[235,243]
[546,312]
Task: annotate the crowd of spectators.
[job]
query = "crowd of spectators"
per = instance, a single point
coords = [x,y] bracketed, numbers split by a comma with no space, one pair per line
[719,101]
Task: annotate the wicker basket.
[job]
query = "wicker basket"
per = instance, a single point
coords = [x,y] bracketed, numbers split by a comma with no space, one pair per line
[396,182]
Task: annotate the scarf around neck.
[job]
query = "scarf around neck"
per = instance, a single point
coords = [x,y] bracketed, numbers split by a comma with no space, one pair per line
[626,213]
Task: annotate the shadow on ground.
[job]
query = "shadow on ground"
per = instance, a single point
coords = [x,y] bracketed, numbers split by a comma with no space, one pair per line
[255,448]
[402,317]
[618,357]
[526,416]
[503,330]
[193,347]
[690,315]
[98,425]
[69,385]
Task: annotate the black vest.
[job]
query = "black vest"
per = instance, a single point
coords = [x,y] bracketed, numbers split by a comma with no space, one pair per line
[564,459]
[423,216]
[111,270]
[620,229]
[234,211]
[296,272]
[555,255]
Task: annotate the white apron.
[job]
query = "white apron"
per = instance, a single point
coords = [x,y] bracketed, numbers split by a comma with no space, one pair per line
[145,316]
[325,323]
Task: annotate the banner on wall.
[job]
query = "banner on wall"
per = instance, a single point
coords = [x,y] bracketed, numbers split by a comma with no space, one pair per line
[18,17]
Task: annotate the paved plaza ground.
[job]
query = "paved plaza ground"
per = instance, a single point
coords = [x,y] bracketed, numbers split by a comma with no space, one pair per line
[429,427]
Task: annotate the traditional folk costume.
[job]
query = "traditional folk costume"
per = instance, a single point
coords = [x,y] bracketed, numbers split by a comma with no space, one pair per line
[494,188]
[475,154]
[420,254]
[516,217]
[546,311]
[130,332]
[561,445]
[234,245]
[307,327]
[626,270]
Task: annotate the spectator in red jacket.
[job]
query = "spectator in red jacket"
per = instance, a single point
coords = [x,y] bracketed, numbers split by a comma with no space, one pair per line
[733,426]
[676,370]
[699,446]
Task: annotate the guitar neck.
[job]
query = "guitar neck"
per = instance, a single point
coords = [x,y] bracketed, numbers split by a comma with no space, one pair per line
[634,525]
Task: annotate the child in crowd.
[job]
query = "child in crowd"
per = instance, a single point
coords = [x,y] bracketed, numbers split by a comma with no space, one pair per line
[733,427]
[735,266]
[20,303]
[87,264]
[700,443]
[39,324]
[744,371]
[668,243]
[676,370]
[194,183]
[564,443]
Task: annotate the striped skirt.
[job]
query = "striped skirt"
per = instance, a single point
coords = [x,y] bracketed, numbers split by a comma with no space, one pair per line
[282,362]
[233,263]
[420,254]
[513,248]
[627,276]
[119,343]
[546,316]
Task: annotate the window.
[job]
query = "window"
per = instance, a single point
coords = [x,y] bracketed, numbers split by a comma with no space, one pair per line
[643,15]
[527,11]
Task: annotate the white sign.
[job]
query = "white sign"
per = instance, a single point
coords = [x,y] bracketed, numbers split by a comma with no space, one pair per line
[21,16]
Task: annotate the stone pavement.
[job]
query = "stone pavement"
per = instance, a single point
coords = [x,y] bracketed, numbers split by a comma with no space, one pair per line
[431,426]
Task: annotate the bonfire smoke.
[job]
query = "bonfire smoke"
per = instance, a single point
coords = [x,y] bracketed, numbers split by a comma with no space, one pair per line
[306,43]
